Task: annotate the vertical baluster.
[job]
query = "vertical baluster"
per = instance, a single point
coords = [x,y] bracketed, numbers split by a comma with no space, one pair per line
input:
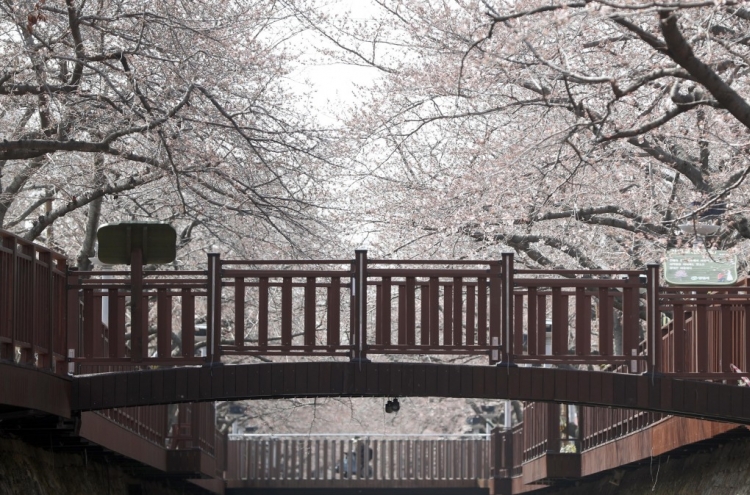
[653,318]
[163,324]
[116,329]
[188,323]
[605,322]
[470,314]
[531,322]
[379,314]
[448,314]
[701,332]
[518,324]
[482,311]
[334,312]
[726,336]
[457,311]
[310,312]
[239,312]
[286,312]
[630,317]
[583,322]
[411,311]
[385,312]
[559,322]
[401,315]
[88,323]
[263,312]
[541,325]
[434,312]
[424,303]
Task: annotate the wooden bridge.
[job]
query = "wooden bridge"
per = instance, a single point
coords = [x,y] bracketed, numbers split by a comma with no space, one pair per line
[120,342]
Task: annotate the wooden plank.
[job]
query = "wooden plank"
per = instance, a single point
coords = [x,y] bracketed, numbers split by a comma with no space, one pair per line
[217,383]
[308,379]
[333,330]
[420,381]
[286,311]
[477,381]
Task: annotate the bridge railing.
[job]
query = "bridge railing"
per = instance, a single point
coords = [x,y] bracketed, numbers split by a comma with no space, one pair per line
[362,457]
[507,452]
[303,308]
[600,425]
[707,331]
[32,303]
[578,317]
[99,332]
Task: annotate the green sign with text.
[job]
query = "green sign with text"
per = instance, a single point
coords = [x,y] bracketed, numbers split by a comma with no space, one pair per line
[700,268]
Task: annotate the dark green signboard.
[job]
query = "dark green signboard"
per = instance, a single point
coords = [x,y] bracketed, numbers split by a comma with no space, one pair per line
[700,268]
[156,240]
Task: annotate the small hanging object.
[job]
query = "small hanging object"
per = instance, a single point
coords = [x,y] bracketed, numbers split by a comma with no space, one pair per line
[392,406]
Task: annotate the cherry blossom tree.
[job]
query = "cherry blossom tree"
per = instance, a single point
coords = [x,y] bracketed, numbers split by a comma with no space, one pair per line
[577,133]
[165,110]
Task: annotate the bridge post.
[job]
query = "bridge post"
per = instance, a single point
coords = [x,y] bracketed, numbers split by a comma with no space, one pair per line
[73,316]
[653,321]
[506,319]
[359,302]
[213,316]
[136,305]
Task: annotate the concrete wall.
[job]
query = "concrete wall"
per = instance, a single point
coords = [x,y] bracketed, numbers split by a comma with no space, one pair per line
[33,471]
[720,470]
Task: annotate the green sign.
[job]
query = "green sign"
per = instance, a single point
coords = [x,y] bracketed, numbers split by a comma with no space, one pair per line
[700,268]
[117,241]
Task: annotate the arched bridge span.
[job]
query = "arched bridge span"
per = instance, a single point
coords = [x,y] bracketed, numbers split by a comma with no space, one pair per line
[691,398]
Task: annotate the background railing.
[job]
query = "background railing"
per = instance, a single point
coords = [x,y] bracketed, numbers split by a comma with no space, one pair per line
[362,457]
